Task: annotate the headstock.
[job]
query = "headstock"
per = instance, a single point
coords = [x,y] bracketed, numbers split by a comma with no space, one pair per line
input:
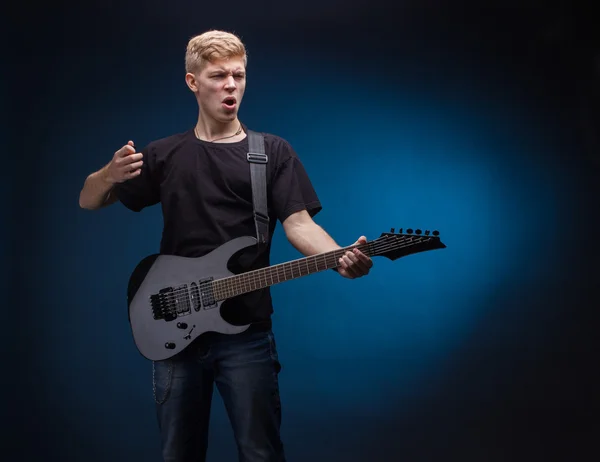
[394,245]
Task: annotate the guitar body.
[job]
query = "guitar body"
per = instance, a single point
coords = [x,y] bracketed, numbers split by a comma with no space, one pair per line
[170,301]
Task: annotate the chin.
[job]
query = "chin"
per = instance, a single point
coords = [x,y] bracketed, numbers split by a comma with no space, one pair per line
[228,117]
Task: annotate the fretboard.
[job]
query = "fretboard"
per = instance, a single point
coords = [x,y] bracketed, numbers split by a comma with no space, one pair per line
[261,278]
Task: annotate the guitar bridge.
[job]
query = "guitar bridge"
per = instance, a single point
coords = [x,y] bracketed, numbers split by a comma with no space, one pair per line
[170,303]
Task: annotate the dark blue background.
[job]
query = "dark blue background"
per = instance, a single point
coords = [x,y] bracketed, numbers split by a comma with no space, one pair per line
[469,120]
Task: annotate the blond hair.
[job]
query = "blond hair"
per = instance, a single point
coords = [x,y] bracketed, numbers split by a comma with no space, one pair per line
[214,44]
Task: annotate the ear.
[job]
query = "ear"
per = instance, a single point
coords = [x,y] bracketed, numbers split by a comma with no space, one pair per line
[190,80]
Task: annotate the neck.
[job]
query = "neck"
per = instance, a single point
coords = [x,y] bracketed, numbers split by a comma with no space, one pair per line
[213,130]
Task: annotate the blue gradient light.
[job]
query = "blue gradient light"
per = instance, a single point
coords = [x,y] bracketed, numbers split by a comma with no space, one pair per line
[464,165]
[463,161]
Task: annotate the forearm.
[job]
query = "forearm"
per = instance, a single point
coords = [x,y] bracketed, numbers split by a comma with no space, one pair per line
[96,191]
[310,239]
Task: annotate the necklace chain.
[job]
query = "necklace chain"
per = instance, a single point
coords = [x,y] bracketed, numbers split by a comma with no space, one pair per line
[239,130]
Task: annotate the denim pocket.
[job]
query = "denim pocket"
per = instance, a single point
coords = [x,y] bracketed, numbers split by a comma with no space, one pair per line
[162,377]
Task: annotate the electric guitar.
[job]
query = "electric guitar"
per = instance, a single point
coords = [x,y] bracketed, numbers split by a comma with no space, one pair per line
[172,300]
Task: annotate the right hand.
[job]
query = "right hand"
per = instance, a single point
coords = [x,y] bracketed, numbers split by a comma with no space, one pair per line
[125,164]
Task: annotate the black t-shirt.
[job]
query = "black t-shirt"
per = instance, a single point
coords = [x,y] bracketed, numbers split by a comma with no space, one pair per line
[205,193]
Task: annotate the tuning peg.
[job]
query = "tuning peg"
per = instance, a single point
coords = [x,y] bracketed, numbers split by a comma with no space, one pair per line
[409,231]
[392,230]
[418,231]
[436,233]
[427,233]
[400,231]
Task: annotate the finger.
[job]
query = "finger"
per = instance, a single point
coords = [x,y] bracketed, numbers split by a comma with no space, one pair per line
[125,150]
[133,166]
[359,267]
[350,266]
[131,158]
[133,174]
[124,163]
[355,257]
[352,257]
[361,240]
[363,258]
[346,273]
[344,266]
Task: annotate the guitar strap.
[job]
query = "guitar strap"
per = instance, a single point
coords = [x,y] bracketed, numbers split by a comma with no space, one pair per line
[257,158]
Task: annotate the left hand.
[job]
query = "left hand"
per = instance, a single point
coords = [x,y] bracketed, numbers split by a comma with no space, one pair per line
[354,264]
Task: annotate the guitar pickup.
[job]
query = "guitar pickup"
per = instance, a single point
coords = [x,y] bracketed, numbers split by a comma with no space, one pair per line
[207,294]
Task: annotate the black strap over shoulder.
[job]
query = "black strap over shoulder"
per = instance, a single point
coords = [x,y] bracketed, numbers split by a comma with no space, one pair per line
[258,160]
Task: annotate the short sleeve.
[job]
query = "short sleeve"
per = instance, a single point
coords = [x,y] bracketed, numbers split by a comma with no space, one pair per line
[291,188]
[143,190]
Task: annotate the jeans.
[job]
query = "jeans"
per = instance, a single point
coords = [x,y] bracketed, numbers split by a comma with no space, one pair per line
[245,369]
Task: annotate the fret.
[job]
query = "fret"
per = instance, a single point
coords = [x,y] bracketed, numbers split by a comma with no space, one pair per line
[264,277]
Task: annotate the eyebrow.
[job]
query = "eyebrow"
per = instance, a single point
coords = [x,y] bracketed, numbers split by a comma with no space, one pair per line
[222,69]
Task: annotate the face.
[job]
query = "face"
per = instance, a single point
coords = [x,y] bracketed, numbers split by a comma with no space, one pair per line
[219,87]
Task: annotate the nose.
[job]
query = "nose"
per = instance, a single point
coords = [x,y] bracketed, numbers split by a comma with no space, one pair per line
[230,82]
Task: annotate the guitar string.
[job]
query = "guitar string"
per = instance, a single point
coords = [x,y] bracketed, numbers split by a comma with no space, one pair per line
[185,293]
[260,275]
[253,277]
[257,276]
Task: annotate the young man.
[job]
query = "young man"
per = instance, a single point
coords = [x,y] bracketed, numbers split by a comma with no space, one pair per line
[201,177]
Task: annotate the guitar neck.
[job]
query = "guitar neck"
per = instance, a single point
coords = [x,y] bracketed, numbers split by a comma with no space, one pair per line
[388,245]
[261,278]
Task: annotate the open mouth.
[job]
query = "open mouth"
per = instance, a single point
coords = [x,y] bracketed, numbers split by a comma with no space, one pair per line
[229,102]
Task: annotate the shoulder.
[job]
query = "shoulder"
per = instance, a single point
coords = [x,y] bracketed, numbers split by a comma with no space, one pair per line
[168,143]
[278,148]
